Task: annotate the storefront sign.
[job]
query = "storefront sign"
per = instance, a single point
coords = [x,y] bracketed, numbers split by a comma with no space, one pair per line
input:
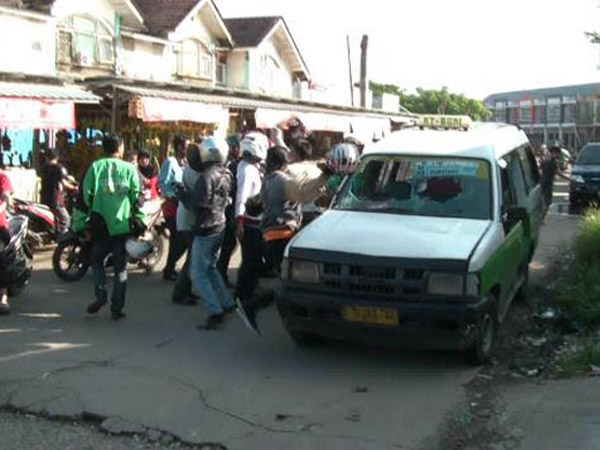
[155,109]
[19,113]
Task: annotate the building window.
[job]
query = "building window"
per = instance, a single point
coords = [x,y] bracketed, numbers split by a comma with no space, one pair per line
[539,114]
[585,113]
[84,41]
[196,60]
[569,113]
[500,112]
[525,110]
[270,69]
[553,110]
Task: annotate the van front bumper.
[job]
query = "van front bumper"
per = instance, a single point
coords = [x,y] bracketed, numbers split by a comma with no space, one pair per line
[422,323]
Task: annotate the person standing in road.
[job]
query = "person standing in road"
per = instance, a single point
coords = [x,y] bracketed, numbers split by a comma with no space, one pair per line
[171,175]
[112,193]
[550,169]
[208,199]
[54,182]
[5,200]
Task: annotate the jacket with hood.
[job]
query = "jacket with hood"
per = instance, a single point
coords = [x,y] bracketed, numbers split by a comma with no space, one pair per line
[279,212]
[209,198]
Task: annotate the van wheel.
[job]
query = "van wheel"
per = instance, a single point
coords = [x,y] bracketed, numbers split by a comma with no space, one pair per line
[485,340]
[521,295]
[303,339]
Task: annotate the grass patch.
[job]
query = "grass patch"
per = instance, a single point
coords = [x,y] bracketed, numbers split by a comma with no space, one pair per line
[578,297]
[580,362]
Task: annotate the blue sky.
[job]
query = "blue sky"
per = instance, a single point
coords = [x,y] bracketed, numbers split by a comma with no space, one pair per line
[476,47]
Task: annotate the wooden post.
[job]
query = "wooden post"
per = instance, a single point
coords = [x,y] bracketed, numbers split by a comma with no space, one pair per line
[350,70]
[363,70]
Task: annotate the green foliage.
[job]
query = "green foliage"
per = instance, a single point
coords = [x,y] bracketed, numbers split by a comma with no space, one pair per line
[580,362]
[432,101]
[587,244]
[579,296]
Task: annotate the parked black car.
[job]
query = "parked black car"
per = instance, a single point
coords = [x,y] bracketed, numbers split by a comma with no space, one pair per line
[586,175]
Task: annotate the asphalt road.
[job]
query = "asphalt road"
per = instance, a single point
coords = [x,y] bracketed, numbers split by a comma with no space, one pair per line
[229,387]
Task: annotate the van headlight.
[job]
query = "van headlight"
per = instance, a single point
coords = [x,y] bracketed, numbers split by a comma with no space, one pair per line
[304,272]
[453,285]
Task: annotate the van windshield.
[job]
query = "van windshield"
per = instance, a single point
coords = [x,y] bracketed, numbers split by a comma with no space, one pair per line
[589,156]
[422,186]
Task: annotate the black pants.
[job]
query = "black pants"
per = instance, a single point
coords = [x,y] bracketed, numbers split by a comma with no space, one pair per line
[227,249]
[177,246]
[100,250]
[183,286]
[252,264]
[274,251]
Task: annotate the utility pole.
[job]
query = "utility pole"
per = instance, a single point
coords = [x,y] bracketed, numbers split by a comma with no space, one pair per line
[363,70]
[350,70]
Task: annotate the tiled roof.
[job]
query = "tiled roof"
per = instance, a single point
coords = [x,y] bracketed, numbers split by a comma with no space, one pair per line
[250,31]
[578,90]
[162,16]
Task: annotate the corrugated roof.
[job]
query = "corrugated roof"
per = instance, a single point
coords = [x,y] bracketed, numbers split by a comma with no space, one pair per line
[47,92]
[250,31]
[162,16]
[577,90]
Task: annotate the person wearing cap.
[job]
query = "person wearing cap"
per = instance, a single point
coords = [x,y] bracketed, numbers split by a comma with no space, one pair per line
[55,181]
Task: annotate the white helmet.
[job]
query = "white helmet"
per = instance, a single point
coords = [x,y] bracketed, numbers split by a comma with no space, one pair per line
[214,149]
[343,158]
[138,248]
[256,144]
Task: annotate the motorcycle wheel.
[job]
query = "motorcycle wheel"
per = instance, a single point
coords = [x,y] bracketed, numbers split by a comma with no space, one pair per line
[70,261]
[156,256]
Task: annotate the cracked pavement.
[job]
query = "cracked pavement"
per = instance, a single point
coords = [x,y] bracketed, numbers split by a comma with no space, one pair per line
[155,370]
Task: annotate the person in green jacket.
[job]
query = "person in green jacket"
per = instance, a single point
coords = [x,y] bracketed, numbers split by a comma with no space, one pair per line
[111,191]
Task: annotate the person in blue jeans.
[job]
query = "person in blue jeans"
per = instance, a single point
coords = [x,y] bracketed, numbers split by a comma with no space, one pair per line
[208,199]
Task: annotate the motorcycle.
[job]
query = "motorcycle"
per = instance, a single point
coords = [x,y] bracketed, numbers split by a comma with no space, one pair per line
[42,223]
[16,259]
[73,255]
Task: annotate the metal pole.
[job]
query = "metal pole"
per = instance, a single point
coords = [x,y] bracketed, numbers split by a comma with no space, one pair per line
[350,70]
[114,110]
[363,70]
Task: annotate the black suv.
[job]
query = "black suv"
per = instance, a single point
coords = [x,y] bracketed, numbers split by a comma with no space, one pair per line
[586,174]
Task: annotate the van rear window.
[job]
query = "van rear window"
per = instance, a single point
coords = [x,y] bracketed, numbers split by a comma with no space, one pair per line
[426,186]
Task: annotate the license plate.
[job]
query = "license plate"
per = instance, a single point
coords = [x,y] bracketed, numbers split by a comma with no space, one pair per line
[368,314]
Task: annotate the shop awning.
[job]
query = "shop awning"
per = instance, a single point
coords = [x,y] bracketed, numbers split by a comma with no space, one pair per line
[40,106]
[318,121]
[167,106]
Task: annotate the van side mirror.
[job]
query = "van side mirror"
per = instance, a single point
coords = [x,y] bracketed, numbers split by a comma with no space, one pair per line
[514,214]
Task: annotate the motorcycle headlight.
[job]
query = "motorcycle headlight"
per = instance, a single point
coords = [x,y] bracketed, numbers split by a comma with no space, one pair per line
[447,284]
[578,179]
[304,272]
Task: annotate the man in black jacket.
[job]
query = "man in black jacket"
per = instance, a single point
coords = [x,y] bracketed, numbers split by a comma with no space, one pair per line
[209,198]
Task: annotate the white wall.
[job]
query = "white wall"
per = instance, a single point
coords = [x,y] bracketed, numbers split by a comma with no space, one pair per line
[236,69]
[283,85]
[144,62]
[100,9]
[26,45]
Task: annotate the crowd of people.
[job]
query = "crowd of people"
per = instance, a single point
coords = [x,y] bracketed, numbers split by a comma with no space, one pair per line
[248,190]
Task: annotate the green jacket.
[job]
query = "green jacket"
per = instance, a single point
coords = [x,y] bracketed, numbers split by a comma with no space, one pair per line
[111,189]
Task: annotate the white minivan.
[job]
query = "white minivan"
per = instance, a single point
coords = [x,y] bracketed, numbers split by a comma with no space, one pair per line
[426,244]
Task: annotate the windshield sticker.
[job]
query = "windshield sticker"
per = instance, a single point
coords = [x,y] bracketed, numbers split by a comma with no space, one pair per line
[431,169]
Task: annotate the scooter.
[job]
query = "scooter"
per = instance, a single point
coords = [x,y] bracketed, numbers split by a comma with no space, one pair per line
[16,259]
[73,255]
[42,223]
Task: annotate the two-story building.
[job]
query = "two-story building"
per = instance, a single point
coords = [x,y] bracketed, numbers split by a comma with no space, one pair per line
[570,114]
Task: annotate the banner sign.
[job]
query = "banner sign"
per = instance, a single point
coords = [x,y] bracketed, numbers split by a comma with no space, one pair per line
[20,113]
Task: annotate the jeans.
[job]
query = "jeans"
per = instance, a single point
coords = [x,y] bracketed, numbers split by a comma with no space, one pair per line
[177,245]
[100,250]
[252,264]
[227,249]
[63,219]
[207,282]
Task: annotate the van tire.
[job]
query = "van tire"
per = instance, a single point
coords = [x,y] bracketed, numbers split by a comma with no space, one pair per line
[483,348]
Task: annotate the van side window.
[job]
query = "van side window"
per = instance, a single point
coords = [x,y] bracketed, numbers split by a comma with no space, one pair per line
[517,179]
[530,168]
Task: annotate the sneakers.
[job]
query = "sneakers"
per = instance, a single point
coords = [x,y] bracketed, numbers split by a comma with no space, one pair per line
[117,315]
[248,316]
[96,306]
[212,322]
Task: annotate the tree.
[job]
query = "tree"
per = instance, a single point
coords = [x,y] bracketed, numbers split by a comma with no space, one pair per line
[432,101]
